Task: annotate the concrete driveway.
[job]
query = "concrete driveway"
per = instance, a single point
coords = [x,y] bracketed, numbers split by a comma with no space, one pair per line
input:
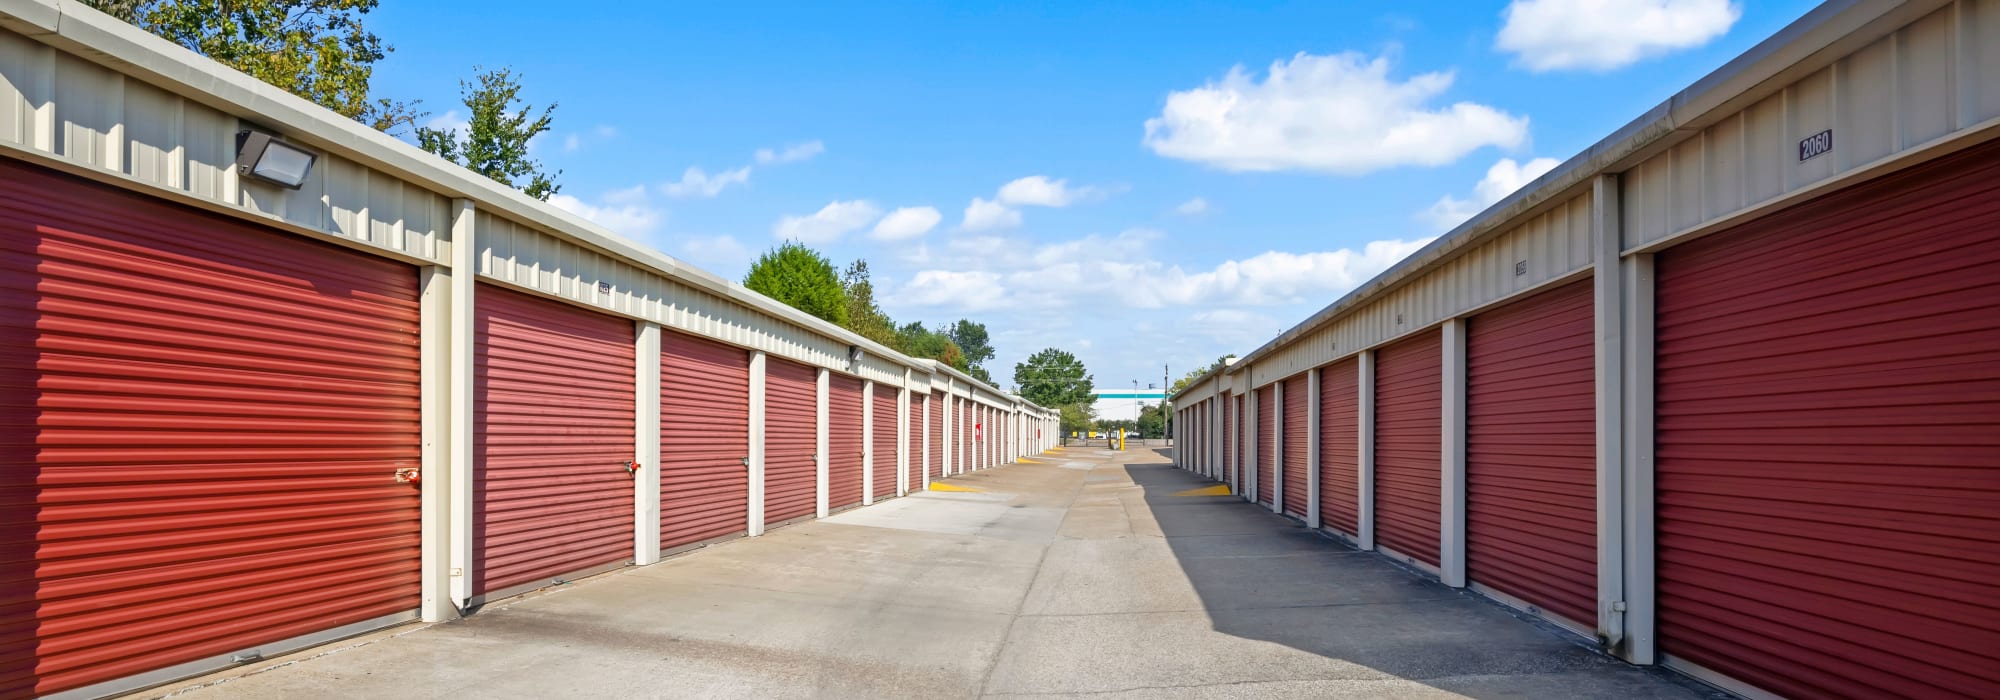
[1084,573]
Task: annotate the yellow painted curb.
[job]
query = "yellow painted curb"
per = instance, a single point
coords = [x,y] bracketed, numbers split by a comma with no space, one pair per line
[1025,460]
[941,486]
[1216,490]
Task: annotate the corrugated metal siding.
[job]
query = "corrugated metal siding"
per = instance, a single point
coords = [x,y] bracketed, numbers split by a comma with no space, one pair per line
[1297,446]
[1408,450]
[1266,447]
[704,439]
[844,444]
[1896,94]
[938,441]
[1531,465]
[1552,244]
[67,106]
[205,419]
[885,440]
[791,435]
[1340,446]
[1829,441]
[528,257]
[553,427]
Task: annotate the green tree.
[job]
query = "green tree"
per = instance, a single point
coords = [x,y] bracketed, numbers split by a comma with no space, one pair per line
[1075,418]
[915,340]
[972,339]
[1054,378]
[497,145]
[801,278]
[316,49]
[1153,421]
[864,317]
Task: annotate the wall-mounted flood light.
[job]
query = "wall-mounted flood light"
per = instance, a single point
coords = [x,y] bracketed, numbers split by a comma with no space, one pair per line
[263,156]
[854,353]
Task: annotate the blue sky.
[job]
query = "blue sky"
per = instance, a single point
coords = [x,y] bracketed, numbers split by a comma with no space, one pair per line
[1143,184]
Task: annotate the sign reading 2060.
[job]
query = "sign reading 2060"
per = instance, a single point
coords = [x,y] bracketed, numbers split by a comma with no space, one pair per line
[1815,145]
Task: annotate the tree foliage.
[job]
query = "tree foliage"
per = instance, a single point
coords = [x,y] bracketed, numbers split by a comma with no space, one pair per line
[316,49]
[499,130]
[1054,378]
[801,278]
[973,340]
[864,316]
[1075,418]
[1153,421]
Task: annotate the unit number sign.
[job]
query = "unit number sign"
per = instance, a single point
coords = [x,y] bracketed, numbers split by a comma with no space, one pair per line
[1815,145]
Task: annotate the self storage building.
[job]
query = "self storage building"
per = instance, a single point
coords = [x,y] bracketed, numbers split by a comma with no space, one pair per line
[1720,393]
[244,416]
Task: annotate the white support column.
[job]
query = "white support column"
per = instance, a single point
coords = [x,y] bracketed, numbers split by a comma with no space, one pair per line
[820,447]
[1451,445]
[1312,449]
[755,470]
[459,435]
[1608,303]
[1365,405]
[868,455]
[1278,447]
[920,472]
[944,421]
[1250,446]
[646,447]
[903,436]
[435,366]
[1639,565]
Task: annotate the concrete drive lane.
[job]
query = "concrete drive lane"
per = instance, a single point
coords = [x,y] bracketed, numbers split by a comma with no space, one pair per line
[1081,573]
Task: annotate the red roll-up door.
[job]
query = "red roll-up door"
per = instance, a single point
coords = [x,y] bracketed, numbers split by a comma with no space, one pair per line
[1340,446]
[791,435]
[918,402]
[204,420]
[844,442]
[963,452]
[704,440]
[1828,441]
[553,427]
[1297,442]
[885,441]
[1530,455]
[1408,452]
[1267,451]
[939,439]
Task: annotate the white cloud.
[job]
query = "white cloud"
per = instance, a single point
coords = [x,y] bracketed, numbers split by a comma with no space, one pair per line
[983,215]
[713,251]
[696,182]
[627,211]
[1040,191]
[1338,114]
[827,225]
[791,154]
[1501,180]
[1192,207]
[1117,271]
[962,290]
[1602,35]
[907,223]
[575,141]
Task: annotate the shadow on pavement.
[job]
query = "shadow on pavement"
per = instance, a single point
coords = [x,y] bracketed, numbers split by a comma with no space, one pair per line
[1265,577]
